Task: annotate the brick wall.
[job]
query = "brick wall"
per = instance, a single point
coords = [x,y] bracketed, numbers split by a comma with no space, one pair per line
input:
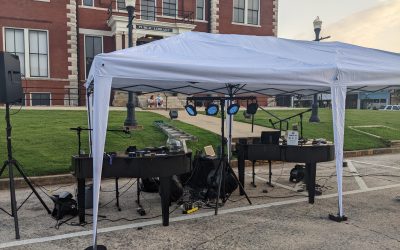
[66,46]
[29,14]
[265,27]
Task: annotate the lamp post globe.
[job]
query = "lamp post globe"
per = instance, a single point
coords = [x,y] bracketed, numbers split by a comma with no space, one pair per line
[130,120]
[317,28]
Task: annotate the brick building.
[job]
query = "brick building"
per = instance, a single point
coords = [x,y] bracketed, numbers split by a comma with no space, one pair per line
[57,40]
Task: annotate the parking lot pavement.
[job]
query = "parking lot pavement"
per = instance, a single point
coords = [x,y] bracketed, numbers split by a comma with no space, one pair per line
[280,218]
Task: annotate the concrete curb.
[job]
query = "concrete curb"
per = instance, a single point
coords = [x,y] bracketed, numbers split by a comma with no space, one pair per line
[70,179]
[40,180]
[374,151]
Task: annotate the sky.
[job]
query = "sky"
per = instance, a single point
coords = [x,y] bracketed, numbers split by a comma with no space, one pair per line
[369,23]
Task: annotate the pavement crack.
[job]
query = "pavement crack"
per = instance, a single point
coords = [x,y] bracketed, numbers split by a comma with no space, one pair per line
[214,238]
[374,231]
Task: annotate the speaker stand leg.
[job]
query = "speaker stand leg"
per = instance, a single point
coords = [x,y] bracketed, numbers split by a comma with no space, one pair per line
[32,187]
[3,168]
[14,209]
[238,182]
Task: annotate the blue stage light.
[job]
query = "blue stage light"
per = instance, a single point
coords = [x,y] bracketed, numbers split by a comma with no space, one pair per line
[212,109]
[233,109]
[191,110]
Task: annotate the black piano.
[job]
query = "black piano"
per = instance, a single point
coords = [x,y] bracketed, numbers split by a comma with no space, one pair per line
[308,154]
[119,166]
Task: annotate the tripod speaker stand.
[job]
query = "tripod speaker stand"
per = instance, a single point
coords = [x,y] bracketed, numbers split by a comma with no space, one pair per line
[11,163]
[223,167]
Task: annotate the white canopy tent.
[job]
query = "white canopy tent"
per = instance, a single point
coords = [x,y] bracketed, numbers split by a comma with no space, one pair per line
[194,63]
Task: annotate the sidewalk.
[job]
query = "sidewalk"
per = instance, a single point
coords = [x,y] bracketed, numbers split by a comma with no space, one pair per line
[213,124]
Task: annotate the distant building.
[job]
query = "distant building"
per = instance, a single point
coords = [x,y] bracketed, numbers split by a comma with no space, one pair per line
[57,40]
[361,100]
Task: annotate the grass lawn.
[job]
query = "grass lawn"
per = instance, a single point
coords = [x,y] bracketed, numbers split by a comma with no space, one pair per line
[43,143]
[353,139]
[385,133]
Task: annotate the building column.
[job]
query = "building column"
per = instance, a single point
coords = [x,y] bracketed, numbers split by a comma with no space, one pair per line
[358,101]
[118,41]
[214,16]
[275,17]
[72,95]
[134,39]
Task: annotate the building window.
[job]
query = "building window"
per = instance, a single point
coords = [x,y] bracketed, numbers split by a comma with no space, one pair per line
[200,9]
[169,8]
[40,99]
[246,11]
[38,56]
[15,44]
[93,46]
[253,8]
[238,11]
[147,10]
[121,5]
[88,2]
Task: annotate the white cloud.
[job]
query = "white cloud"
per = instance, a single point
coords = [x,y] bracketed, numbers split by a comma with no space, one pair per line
[378,27]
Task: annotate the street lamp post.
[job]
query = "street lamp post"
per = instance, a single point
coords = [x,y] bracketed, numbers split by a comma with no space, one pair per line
[317,29]
[130,120]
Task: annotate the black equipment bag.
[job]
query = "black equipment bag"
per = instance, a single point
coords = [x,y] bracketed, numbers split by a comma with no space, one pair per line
[152,185]
[213,181]
[202,166]
[64,205]
[176,189]
[149,185]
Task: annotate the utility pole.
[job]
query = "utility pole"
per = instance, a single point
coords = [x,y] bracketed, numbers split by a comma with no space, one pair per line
[317,29]
[130,120]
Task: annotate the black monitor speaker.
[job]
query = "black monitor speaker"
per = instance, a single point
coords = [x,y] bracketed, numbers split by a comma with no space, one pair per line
[270,137]
[10,78]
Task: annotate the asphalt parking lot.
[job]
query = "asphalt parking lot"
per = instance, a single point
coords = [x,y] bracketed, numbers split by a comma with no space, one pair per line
[278,219]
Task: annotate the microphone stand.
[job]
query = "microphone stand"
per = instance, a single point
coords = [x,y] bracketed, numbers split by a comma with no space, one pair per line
[79,132]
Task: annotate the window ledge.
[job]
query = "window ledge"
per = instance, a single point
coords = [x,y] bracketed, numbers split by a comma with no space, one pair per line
[33,78]
[167,17]
[248,25]
[200,21]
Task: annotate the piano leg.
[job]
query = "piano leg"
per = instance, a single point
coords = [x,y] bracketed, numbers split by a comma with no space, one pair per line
[254,174]
[165,185]
[140,209]
[138,191]
[117,194]
[269,183]
[81,200]
[241,170]
[311,169]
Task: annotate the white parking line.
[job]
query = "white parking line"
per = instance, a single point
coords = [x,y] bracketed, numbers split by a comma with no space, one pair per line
[274,183]
[374,164]
[183,218]
[357,177]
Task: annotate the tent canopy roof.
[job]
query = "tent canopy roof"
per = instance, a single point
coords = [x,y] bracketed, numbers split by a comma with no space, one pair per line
[196,62]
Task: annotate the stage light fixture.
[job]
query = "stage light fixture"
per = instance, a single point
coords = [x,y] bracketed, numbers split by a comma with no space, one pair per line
[252,108]
[191,110]
[212,109]
[233,109]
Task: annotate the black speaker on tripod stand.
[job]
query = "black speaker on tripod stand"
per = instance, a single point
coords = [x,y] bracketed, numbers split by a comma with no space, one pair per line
[10,79]
[11,92]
